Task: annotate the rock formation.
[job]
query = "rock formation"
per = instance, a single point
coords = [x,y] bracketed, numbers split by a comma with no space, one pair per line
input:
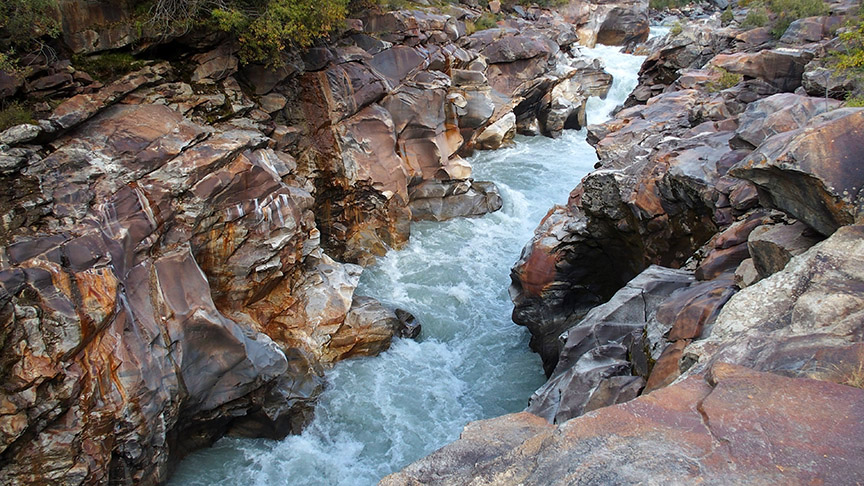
[181,243]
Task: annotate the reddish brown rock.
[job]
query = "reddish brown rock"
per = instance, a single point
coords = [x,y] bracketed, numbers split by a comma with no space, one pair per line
[812,173]
[808,434]
[781,68]
[773,246]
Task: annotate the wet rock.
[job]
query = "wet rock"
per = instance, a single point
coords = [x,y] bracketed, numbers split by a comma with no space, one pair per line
[409,327]
[702,425]
[367,329]
[442,200]
[772,246]
[498,133]
[807,172]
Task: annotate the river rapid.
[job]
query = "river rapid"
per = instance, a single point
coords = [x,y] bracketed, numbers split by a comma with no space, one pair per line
[471,362]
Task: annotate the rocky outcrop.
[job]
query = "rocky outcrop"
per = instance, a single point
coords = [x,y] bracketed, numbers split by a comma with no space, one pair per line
[160,278]
[801,321]
[594,368]
[810,173]
[174,241]
[703,428]
[611,23]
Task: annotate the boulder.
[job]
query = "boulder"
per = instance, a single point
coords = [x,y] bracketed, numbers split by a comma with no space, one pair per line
[812,173]
[776,114]
[781,68]
[215,65]
[702,428]
[435,200]
[497,134]
[772,246]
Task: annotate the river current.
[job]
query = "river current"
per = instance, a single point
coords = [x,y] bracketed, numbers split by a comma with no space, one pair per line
[471,362]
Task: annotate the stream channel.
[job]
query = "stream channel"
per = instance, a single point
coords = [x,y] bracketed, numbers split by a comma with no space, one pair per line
[471,362]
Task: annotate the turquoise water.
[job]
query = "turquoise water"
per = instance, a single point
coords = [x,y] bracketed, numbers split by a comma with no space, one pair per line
[471,362]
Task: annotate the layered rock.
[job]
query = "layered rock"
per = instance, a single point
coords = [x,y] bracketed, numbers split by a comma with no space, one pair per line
[147,261]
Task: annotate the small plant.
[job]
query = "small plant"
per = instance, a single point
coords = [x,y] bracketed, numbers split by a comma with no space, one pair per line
[789,11]
[851,57]
[854,376]
[727,17]
[107,67]
[757,16]
[14,114]
[854,101]
[725,81]
[676,29]
[666,4]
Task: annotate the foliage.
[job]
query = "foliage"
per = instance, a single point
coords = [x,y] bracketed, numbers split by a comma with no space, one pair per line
[666,4]
[23,25]
[486,21]
[25,21]
[727,17]
[263,27]
[676,29]
[856,101]
[725,81]
[851,55]
[790,10]
[14,114]
[757,16]
[106,67]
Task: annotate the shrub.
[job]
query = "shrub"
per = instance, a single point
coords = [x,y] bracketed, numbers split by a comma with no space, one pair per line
[14,114]
[851,54]
[23,26]
[789,11]
[676,29]
[727,17]
[854,101]
[263,27]
[109,66]
[666,4]
[725,81]
[757,16]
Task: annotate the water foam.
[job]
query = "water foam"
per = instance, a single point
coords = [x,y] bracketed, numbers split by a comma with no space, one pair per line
[471,362]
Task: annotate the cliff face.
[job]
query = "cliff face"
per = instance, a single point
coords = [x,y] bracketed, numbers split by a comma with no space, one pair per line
[180,245]
[697,303]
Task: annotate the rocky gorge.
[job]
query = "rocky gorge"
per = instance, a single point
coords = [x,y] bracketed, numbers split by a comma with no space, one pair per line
[697,301]
[182,243]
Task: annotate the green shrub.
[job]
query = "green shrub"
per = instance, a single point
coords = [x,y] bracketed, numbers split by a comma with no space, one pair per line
[757,16]
[726,17]
[725,81]
[854,101]
[14,114]
[676,29]
[23,26]
[789,11]
[108,66]
[263,27]
[666,4]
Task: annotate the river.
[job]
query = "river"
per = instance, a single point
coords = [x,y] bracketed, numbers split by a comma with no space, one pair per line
[471,362]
